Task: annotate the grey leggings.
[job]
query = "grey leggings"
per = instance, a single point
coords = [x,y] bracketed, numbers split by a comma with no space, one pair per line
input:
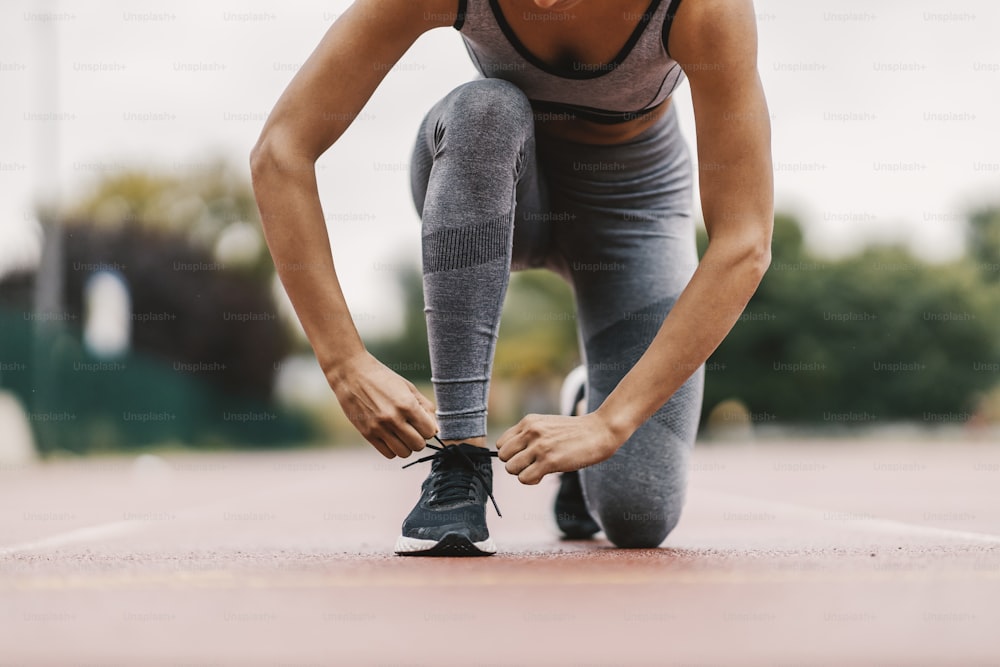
[614,221]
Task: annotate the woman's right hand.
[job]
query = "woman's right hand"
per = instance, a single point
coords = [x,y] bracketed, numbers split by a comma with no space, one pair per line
[386,408]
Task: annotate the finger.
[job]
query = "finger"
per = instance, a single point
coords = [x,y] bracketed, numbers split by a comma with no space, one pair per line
[533,474]
[382,448]
[510,443]
[426,403]
[410,437]
[395,444]
[421,417]
[519,462]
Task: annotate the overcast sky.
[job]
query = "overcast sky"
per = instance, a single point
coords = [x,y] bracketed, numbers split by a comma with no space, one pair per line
[885,114]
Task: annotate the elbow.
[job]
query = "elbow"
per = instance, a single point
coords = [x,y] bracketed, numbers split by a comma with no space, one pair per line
[749,255]
[758,258]
[268,175]
[275,154]
[256,156]
[261,156]
[751,260]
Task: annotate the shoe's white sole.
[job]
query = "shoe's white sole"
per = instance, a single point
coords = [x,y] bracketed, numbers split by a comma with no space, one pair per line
[450,545]
[575,379]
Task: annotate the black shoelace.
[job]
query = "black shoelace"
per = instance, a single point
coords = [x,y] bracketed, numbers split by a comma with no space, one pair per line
[456,488]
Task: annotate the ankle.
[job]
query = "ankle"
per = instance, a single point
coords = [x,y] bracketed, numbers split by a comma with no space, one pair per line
[478,442]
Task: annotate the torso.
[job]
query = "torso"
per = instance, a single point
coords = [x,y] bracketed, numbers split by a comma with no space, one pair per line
[587,132]
[588,32]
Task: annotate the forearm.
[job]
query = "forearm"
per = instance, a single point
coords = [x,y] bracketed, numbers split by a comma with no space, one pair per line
[296,234]
[703,315]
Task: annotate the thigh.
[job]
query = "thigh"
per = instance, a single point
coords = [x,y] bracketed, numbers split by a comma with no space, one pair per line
[629,251]
[532,217]
[627,245]
[625,284]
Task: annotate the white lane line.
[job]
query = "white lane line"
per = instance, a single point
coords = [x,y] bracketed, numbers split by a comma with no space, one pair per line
[117,528]
[88,534]
[862,523]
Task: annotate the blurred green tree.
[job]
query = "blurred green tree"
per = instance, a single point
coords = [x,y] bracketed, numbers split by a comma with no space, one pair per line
[538,329]
[983,241]
[878,336]
[209,204]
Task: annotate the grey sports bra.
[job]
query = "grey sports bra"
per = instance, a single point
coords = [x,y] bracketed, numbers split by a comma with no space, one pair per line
[640,78]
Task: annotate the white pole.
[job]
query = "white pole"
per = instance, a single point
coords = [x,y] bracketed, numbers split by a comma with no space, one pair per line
[49,298]
[48,286]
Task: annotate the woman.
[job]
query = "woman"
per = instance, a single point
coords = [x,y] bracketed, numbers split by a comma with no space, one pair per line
[565,155]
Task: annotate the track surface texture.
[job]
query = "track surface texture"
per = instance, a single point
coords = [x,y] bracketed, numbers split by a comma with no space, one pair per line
[803,553]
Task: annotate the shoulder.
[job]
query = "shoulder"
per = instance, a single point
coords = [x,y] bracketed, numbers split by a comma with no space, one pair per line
[426,14]
[719,33]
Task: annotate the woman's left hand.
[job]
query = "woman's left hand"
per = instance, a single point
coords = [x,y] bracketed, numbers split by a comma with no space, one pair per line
[542,444]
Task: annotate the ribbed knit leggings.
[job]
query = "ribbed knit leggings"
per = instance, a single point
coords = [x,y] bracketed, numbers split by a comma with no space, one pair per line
[614,221]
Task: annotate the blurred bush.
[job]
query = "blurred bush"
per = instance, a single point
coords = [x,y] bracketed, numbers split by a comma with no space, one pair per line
[879,336]
[210,205]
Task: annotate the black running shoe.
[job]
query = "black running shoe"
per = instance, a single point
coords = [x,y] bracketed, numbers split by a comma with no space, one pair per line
[572,516]
[450,517]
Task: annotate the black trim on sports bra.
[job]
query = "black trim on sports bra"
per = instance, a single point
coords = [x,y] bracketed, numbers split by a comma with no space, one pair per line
[584,73]
[460,17]
[667,22]
[592,114]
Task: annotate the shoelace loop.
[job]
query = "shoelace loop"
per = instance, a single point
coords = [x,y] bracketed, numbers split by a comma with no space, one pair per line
[454,453]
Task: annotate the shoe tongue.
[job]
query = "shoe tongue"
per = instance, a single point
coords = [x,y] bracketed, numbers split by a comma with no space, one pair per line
[454,459]
[472,450]
[476,462]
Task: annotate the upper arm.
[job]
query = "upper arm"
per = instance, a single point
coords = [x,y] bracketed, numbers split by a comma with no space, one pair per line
[715,41]
[338,78]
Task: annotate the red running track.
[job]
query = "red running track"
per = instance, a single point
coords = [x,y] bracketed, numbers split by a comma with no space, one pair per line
[789,553]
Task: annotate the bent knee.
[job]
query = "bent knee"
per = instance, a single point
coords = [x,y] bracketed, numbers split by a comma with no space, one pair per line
[638,527]
[492,103]
[491,96]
